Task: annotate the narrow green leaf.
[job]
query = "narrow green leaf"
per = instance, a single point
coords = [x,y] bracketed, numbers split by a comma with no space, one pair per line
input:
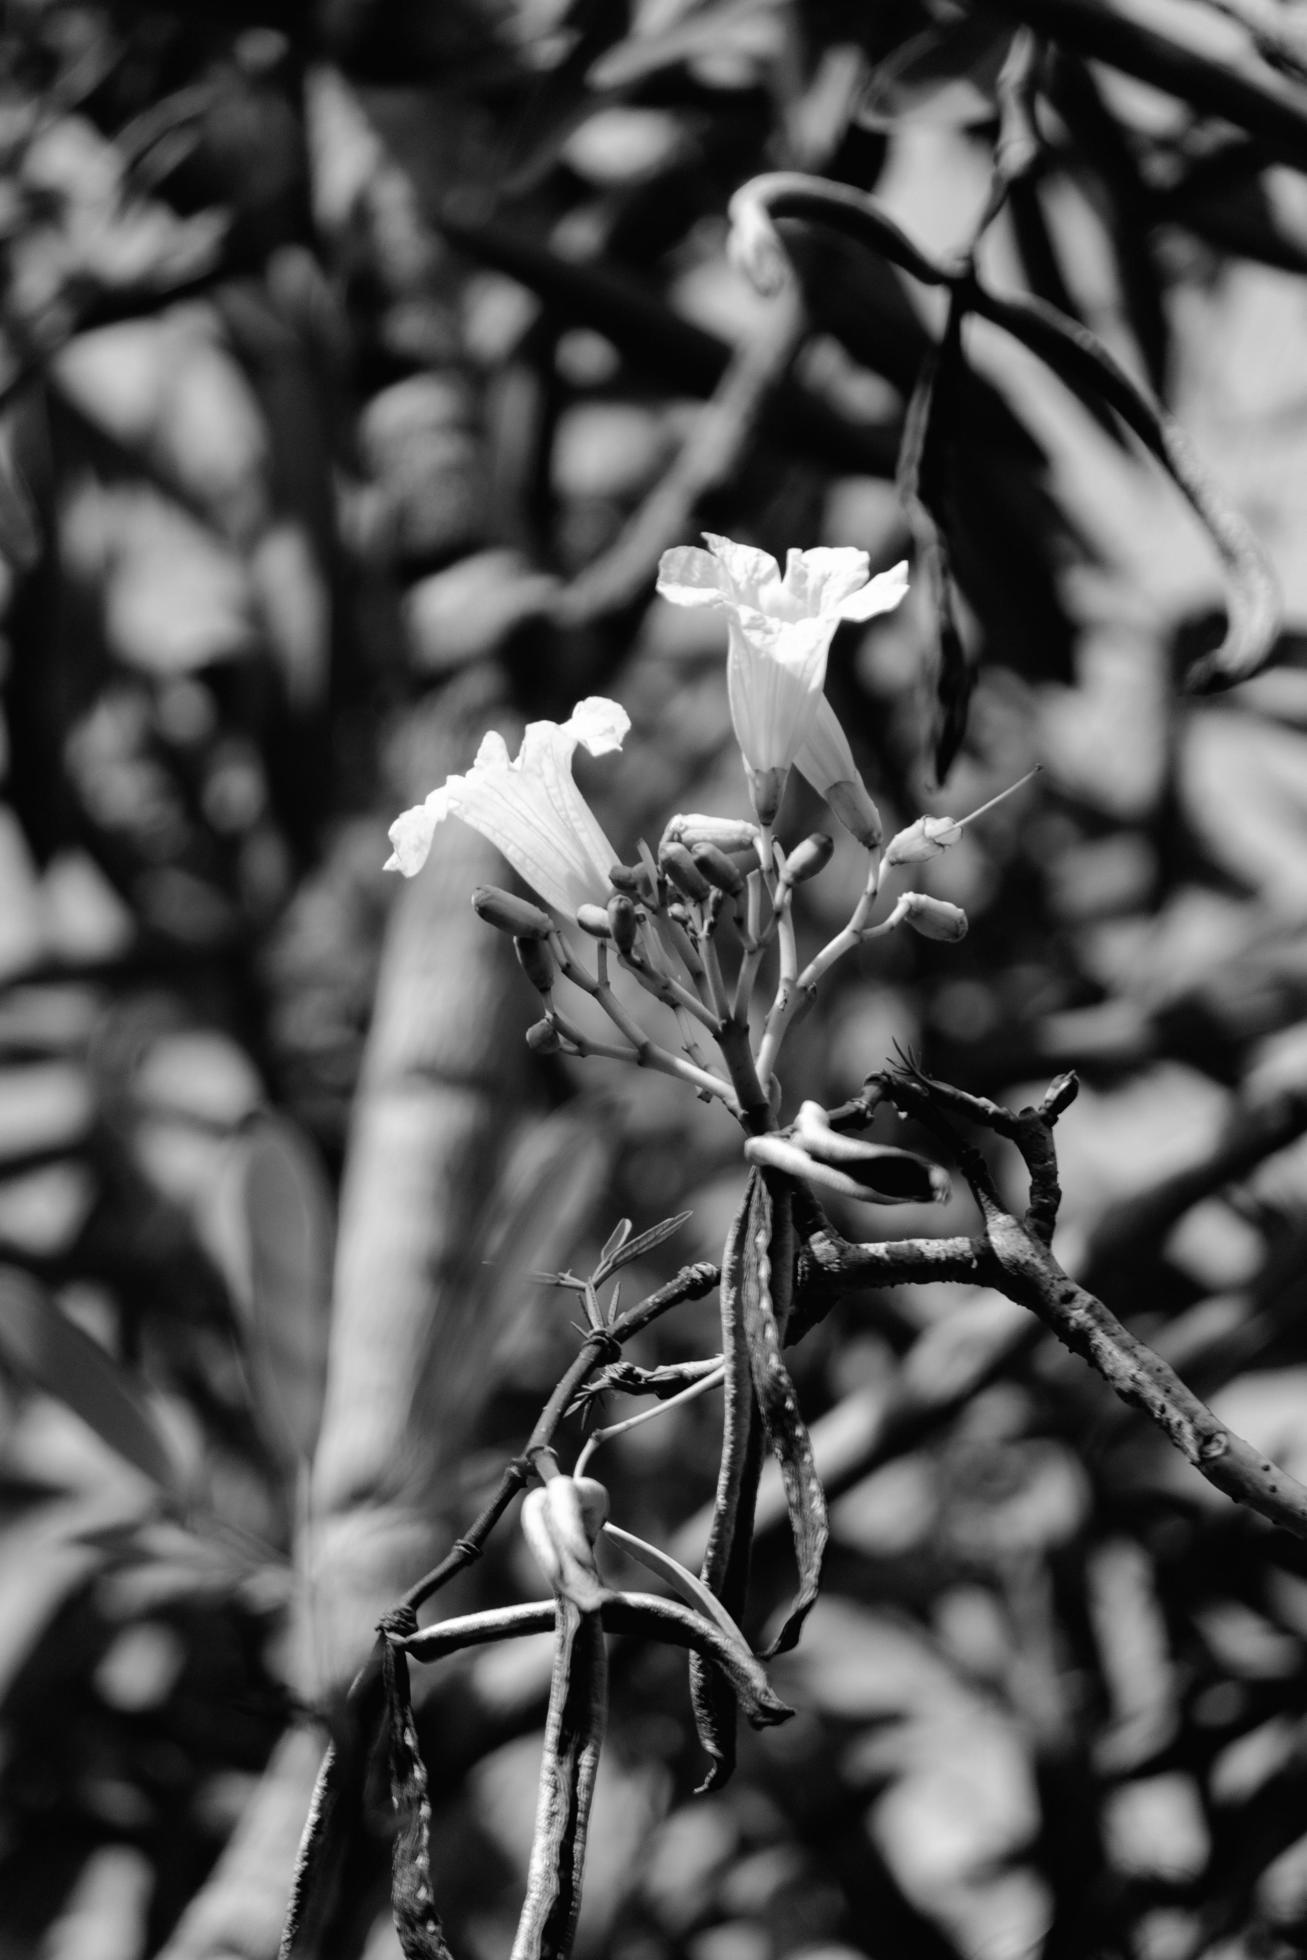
[39,1341]
[614,1257]
[277,1226]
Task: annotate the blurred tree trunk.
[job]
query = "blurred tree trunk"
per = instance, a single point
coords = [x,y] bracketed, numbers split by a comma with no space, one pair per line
[443,1070]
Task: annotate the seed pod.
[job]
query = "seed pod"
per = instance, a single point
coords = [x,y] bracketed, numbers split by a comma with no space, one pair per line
[421,1936]
[537,963]
[718,869]
[933,918]
[678,865]
[543,1038]
[594,920]
[808,858]
[574,1730]
[622,922]
[509,914]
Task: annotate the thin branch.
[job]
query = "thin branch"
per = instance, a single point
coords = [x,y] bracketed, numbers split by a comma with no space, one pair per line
[1029,1274]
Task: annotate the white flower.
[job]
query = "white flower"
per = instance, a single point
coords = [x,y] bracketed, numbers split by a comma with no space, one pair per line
[780,627]
[530,808]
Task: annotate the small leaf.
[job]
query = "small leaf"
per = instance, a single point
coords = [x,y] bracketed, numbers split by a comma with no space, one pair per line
[617,1238]
[38,1339]
[630,1249]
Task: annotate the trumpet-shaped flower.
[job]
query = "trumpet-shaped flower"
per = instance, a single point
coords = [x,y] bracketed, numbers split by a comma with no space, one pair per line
[780,628]
[529,807]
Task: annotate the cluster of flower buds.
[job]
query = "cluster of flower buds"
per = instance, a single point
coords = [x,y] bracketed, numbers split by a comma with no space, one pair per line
[705,926]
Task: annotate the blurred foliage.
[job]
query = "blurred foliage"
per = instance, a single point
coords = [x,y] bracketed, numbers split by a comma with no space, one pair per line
[353,370]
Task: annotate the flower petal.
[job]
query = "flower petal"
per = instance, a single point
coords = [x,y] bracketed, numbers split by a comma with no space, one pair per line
[600,726]
[822,580]
[412,832]
[691,577]
[774,675]
[884,592]
[747,574]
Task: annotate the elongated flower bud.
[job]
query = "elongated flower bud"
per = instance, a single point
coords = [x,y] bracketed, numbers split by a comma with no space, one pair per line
[506,913]
[856,811]
[724,833]
[808,858]
[622,922]
[594,920]
[718,869]
[933,918]
[537,963]
[928,836]
[675,861]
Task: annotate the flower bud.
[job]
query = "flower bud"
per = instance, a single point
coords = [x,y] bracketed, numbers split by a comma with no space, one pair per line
[626,878]
[724,833]
[509,914]
[925,838]
[677,864]
[766,789]
[537,962]
[594,920]
[543,1038]
[856,811]
[933,918]
[622,922]
[718,869]
[808,858]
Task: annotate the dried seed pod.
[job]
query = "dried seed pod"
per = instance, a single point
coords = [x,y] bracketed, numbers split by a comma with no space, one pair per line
[574,1730]
[421,1936]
